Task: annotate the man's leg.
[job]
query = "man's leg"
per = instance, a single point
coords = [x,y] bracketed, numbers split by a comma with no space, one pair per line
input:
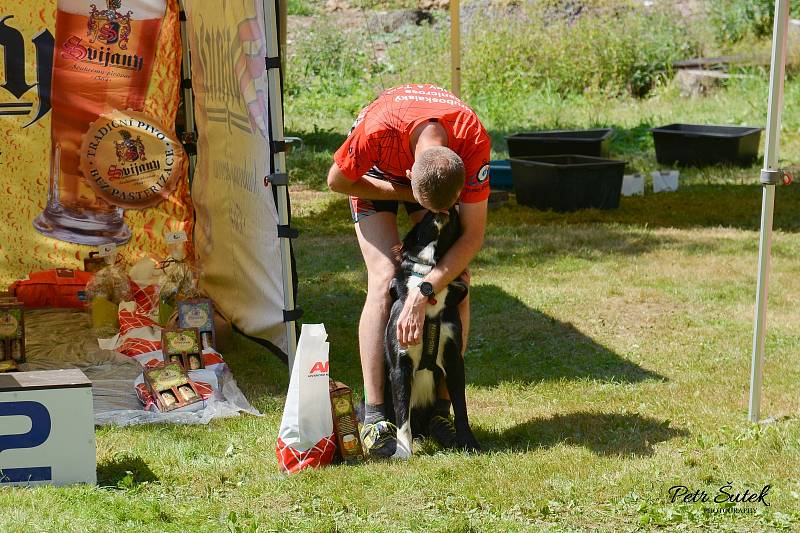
[380,246]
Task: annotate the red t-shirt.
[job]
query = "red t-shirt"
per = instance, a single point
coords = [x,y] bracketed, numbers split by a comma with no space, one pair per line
[381,136]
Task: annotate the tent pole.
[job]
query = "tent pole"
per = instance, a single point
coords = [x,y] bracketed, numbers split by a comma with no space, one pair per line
[279,158]
[779,36]
[455,48]
[190,134]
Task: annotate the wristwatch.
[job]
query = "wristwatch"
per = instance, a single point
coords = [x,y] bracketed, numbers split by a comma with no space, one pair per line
[426,289]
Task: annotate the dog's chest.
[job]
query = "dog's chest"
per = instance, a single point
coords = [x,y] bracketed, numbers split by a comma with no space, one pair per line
[429,353]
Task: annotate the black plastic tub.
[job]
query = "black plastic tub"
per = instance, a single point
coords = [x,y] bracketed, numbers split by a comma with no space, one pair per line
[567,182]
[703,145]
[594,143]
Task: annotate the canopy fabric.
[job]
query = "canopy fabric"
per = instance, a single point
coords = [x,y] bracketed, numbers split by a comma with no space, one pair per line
[237,220]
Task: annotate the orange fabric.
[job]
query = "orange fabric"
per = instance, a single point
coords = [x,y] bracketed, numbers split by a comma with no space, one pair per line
[381,136]
[52,288]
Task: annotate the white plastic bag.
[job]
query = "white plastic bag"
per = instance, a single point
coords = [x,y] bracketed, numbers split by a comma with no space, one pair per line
[665,180]
[306,436]
[633,184]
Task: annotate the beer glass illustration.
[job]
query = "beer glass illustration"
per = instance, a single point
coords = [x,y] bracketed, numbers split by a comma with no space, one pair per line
[103,61]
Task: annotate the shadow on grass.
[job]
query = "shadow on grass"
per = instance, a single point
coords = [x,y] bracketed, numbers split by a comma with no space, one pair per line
[512,342]
[708,197]
[626,434]
[320,139]
[693,205]
[124,472]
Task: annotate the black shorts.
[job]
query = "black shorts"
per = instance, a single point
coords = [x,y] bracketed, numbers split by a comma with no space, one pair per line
[360,208]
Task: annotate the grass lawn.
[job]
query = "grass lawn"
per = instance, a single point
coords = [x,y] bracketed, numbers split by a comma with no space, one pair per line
[609,361]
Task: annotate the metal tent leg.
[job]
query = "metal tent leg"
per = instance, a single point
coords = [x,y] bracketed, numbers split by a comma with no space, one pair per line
[776,78]
[279,159]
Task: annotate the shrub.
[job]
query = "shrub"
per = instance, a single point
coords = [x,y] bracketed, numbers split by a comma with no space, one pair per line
[570,47]
[735,20]
[330,61]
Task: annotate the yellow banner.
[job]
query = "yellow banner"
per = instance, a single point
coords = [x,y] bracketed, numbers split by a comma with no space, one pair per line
[29,91]
[237,220]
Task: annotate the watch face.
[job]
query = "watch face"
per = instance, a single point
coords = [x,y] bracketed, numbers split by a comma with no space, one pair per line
[426,288]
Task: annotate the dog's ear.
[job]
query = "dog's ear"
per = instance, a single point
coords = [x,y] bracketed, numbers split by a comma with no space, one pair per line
[393,290]
[459,290]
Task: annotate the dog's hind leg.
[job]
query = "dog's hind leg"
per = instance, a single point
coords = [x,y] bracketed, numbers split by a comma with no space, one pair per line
[456,384]
[400,377]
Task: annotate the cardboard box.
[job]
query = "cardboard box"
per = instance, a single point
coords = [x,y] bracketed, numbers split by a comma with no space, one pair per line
[171,386]
[345,423]
[199,313]
[182,346]
[94,262]
[47,428]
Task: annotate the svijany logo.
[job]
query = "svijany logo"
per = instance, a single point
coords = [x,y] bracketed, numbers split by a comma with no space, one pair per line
[13,71]
[319,368]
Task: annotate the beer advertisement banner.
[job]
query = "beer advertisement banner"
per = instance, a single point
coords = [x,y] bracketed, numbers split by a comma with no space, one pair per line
[236,227]
[88,154]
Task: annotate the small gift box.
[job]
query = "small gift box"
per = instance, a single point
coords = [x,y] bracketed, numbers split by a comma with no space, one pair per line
[12,334]
[171,386]
[94,262]
[199,313]
[182,346]
[345,422]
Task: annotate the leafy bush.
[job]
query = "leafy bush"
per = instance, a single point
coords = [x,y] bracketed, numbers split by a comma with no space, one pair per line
[330,61]
[735,20]
[606,47]
[302,7]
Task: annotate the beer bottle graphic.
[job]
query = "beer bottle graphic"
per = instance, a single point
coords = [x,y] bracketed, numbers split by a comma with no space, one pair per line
[103,61]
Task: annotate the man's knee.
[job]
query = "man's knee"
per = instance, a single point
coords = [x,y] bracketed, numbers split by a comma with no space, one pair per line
[378,284]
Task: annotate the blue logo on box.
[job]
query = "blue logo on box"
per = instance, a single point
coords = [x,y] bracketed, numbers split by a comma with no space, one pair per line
[38,435]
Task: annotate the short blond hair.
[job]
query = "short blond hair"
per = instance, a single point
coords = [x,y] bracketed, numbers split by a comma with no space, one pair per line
[437,177]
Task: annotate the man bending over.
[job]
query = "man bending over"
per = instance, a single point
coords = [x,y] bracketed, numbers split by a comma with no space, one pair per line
[422,146]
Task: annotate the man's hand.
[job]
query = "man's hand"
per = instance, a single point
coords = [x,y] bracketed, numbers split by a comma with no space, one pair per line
[412,318]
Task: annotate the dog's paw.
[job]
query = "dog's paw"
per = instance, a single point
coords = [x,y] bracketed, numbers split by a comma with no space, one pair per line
[468,444]
[403,452]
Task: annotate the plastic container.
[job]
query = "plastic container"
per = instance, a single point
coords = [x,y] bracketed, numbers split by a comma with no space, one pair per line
[500,175]
[593,143]
[703,145]
[567,182]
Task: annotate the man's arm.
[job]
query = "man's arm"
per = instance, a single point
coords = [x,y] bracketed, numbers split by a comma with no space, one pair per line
[368,188]
[464,250]
[454,262]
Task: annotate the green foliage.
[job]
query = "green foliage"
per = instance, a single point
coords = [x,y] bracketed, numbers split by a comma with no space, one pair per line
[302,7]
[736,20]
[607,49]
[329,61]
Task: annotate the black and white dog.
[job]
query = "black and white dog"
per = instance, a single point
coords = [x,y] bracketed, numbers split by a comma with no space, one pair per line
[414,372]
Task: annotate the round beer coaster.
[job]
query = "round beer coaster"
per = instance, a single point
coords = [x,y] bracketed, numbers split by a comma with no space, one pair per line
[130,159]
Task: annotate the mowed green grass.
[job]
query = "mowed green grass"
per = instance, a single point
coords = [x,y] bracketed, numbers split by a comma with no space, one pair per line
[609,361]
